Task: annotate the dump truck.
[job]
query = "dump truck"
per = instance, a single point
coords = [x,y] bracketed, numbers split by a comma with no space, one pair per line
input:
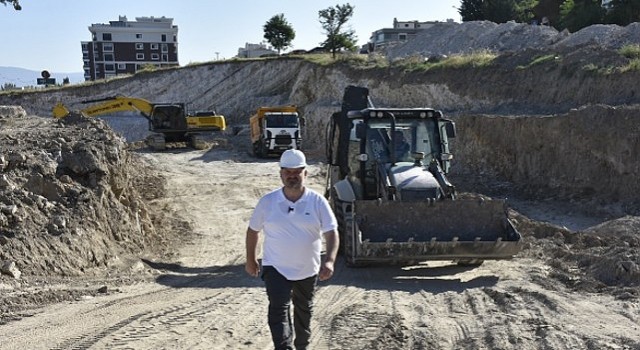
[387,184]
[275,129]
[168,122]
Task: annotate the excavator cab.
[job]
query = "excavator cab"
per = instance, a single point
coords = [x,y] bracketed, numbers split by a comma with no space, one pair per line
[387,183]
[167,117]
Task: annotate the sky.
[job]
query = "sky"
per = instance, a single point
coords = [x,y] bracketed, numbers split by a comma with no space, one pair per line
[46,34]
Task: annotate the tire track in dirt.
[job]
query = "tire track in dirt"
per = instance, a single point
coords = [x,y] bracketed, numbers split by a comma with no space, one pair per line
[191,305]
[357,317]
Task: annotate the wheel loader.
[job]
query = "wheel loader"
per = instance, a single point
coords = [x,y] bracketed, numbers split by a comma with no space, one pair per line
[168,122]
[387,184]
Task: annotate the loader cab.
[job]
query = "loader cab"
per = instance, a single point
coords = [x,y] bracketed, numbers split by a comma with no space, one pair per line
[384,142]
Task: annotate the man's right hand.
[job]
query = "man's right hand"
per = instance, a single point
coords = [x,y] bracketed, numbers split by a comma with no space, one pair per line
[252,267]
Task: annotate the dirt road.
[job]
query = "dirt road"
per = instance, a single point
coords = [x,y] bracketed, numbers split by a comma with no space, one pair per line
[202,298]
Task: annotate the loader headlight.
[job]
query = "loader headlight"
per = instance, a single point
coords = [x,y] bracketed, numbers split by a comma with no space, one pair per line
[446,156]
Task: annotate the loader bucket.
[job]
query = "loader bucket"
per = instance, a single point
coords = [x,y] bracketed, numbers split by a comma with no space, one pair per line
[443,230]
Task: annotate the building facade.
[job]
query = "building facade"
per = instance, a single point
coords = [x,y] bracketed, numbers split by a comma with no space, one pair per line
[401,32]
[125,47]
[256,50]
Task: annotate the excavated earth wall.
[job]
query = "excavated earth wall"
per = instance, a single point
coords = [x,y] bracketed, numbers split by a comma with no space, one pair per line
[564,127]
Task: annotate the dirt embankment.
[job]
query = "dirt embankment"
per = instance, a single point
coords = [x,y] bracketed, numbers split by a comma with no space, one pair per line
[72,197]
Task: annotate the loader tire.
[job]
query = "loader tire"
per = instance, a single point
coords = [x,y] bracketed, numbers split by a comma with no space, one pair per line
[349,245]
[344,216]
[338,212]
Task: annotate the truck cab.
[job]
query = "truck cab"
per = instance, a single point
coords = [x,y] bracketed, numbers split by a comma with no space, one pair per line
[275,130]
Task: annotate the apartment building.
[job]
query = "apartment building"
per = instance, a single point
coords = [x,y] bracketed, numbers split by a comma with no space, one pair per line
[256,50]
[125,47]
[401,31]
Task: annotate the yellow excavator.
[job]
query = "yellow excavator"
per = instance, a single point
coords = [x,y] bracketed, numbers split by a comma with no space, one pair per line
[169,122]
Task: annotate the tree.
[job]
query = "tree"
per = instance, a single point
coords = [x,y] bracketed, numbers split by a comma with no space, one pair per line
[577,14]
[498,11]
[15,3]
[471,10]
[333,20]
[623,12]
[279,32]
[549,9]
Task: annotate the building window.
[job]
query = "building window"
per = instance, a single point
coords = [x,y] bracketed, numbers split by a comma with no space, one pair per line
[138,36]
[122,66]
[109,68]
[108,57]
[165,48]
[106,36]
[402,37]
[155,56]
[85,47]
[154,46]
[140,56]
[139,46]
[165,57]
[164,37]
[85,55]
[107,47]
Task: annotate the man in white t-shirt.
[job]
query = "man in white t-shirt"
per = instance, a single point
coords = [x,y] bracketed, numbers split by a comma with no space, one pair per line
[294,220]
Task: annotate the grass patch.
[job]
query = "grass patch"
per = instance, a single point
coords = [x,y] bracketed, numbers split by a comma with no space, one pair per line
[477,59]
[594,68]
[633,66]
[630,51]
[540,60]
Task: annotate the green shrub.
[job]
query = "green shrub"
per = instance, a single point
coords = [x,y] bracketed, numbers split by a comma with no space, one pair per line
[630,51]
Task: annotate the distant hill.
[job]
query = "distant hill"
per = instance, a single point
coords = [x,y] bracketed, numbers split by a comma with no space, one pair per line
[24,77]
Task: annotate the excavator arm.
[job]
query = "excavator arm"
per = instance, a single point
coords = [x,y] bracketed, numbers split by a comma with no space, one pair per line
[109,105]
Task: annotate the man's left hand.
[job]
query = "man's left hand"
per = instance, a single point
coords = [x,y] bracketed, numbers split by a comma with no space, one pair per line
[326,271]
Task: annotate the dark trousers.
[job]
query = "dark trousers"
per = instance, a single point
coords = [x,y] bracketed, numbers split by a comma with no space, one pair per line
[281,293]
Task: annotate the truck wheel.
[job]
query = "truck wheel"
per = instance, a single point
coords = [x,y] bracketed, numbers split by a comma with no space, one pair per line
[263,151]
[198,142]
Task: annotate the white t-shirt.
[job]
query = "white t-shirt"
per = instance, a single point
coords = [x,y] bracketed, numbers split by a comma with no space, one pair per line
[293,231]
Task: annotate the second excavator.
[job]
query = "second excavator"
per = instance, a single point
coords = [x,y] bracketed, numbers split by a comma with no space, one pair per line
[168,122]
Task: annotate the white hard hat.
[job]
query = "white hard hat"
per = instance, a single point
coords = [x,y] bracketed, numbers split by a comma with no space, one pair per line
[293,158]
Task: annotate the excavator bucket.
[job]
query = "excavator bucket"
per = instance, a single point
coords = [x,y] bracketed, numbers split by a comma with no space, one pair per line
[460,230]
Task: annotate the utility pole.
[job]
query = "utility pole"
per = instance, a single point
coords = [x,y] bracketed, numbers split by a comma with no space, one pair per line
[217,55]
